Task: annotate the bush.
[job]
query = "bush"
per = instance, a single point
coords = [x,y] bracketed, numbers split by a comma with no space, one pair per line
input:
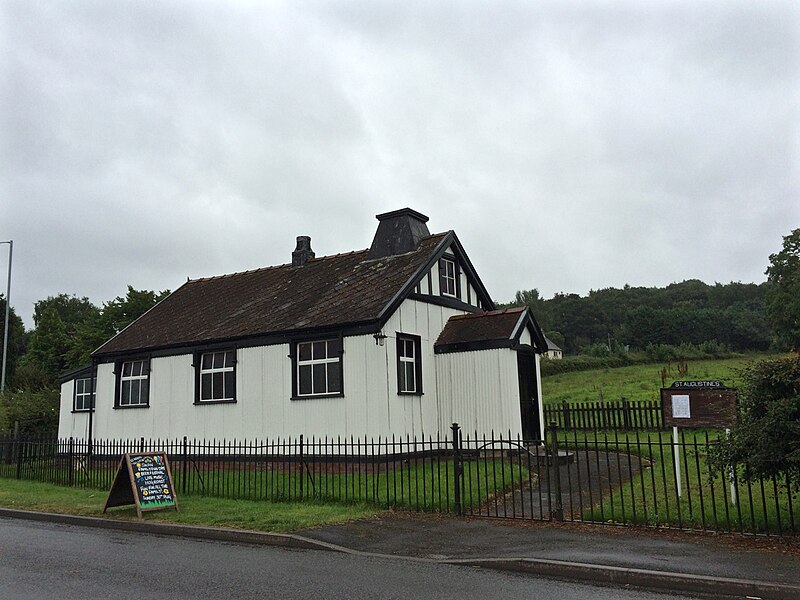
[661,352]
[597,349]
[714,348]
[36,412]
[585,363]
[766,440]
[654,353]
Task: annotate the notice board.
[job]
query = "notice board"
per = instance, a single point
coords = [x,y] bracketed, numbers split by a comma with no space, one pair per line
[698,405]
[143,479]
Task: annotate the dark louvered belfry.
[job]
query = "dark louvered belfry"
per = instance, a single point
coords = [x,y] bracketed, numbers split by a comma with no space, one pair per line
[399,231]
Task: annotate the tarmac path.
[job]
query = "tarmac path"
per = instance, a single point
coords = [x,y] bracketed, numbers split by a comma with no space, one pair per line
[587,477]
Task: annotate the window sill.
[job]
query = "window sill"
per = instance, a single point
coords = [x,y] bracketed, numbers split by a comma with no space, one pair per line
[131,406]
[410,393]
[82,411]
[202,402]
[341,395]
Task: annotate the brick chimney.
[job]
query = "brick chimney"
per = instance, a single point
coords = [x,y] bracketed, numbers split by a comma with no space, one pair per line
[303,253]
[399,231]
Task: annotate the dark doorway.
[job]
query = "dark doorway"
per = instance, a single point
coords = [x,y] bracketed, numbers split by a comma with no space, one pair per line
[528,395]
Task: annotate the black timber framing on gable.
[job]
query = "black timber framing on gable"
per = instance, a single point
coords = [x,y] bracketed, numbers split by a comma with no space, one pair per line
[407,291]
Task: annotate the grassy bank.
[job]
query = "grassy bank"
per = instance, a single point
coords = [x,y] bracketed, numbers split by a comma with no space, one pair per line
[215,512]
[638,382]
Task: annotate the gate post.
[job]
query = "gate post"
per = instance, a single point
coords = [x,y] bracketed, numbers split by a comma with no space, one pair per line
[20,449]
[626,414]
[557,511]
[301,466]
[71,461]
[185,463]
[457,468]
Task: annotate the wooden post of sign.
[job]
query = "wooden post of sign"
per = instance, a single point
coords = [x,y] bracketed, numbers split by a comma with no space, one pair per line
[681,408]
[731,473]
[677,458]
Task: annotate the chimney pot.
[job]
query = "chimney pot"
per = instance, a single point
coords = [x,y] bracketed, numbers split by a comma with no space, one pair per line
[303,252]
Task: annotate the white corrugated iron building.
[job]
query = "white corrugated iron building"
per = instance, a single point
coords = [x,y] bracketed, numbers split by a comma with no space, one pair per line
[399,339]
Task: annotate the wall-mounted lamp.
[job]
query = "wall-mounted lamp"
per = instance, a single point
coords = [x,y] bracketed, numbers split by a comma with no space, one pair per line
[379,338]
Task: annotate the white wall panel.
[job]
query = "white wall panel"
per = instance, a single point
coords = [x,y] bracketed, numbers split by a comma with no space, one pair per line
[456,387]
[479,391]
[71,424]
[416,415]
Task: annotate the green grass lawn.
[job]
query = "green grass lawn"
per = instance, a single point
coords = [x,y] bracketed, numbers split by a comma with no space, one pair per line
[421,484]
[216,512]
[417,484]
[637,382]
[651,497]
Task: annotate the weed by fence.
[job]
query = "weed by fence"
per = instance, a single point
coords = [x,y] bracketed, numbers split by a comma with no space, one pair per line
[591,476]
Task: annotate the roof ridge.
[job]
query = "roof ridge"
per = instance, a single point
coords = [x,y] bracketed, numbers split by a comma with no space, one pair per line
[271,267]
[491,313]
[283,265]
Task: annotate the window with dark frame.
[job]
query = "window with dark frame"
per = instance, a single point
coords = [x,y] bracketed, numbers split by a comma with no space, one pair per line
[448,277]
[134,383]
[84,394]
[318,368]
[217,376]
[409,364]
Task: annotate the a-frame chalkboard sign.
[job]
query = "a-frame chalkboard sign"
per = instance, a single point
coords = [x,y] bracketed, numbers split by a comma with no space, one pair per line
[143,479]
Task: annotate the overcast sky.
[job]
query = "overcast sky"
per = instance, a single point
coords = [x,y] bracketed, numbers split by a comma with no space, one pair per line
[571,145]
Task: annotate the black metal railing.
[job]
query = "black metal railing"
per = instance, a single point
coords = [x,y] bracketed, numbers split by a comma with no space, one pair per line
[636,477]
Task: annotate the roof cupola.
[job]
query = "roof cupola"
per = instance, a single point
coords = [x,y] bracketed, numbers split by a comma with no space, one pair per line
[399,231]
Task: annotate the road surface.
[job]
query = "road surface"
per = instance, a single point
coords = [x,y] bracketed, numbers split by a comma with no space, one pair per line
[43,561]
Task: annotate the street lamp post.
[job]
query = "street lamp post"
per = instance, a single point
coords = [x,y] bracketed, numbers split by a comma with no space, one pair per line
[8,305]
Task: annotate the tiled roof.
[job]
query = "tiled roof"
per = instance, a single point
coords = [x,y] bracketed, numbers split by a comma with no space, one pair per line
[329,291]
[484,327]
[551,345]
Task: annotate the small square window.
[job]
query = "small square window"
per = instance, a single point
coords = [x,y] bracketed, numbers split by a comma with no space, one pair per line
[133,384]
[84,394]
[217,377]
[318,368]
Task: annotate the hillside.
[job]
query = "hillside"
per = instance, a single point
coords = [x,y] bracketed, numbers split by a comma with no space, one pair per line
[637,382]
[691,311]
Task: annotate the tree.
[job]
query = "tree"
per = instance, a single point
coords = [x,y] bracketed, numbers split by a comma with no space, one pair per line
[783,294]
[110,320]
[16,339]
[536,303]
[71,309]
[49,344]
[689,312]
[766,441]
[30,413]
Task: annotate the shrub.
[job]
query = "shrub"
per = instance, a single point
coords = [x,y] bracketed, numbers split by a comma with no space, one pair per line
[766,440]
[660,352]
[36,412]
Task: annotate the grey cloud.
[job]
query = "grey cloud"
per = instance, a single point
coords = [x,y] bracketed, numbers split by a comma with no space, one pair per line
[571,145]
